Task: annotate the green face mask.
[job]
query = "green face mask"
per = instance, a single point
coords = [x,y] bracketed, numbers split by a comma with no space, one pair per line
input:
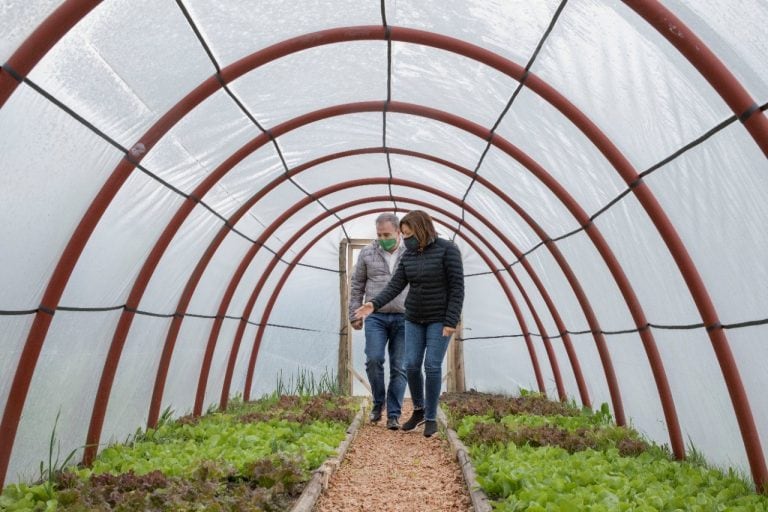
[388,243]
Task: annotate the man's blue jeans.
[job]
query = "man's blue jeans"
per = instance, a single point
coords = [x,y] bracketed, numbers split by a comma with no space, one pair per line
[386,330]
[425,343]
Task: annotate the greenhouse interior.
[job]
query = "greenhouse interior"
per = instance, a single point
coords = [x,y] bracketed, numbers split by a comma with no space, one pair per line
[187,187]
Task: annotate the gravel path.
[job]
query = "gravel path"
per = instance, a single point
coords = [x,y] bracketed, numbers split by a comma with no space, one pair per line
[396,471]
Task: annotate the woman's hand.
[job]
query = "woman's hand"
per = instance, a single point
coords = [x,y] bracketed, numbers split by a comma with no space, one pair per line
[448,331]
[364,310]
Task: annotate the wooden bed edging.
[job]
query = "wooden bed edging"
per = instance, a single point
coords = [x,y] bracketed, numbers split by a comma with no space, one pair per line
[322,475]
[479,499]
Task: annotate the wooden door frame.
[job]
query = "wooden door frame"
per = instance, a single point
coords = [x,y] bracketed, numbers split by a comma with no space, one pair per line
[455,377]
[346,371]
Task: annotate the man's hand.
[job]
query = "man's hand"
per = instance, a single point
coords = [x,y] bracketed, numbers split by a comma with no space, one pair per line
[448,331]
[363,311]
[357,324]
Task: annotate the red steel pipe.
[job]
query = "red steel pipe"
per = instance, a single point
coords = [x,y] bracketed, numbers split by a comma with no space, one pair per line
[265,274]
[156,254]
[674,30]
[284,248]
[364,107]
[234,282]
[39,42]
[145,274]
[339,110]
[243,267]
[276,291]
[654,360]
[245,262]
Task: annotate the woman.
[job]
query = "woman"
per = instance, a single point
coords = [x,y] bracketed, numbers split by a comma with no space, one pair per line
[432,267]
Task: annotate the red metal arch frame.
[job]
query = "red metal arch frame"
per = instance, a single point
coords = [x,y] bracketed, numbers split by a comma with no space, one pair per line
[708,65]
[658,370]
[191,204]
[145,274]
[278,287]
[669,26]
[56,25]
[441,116]
[253,251]
[249,204]
[654,358]
[298,234]
[40,41]
[399,107]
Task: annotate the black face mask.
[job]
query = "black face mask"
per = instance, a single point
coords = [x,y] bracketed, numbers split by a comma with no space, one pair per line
[411,243]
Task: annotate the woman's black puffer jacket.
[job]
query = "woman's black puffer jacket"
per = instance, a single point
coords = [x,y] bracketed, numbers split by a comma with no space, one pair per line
[436,279]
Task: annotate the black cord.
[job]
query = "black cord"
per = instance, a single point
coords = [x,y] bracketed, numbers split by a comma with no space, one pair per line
[388,33]
[249,115]
[508,106]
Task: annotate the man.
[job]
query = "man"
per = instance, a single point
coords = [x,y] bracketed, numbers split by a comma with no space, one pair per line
[386,328]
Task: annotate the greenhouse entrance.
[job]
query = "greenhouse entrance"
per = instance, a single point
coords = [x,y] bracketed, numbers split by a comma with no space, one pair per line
[351,373]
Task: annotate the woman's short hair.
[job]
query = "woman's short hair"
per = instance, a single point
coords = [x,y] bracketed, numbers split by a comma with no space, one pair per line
[421,224]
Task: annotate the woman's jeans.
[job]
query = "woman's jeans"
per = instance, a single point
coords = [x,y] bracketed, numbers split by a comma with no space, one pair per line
[425,343]
[386,330]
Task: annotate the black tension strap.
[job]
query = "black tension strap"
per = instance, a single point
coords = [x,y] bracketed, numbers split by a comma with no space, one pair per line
[388,37]
[655,167]
[19,312]
[699,325]
[748,113]
[714,326]
[14,74]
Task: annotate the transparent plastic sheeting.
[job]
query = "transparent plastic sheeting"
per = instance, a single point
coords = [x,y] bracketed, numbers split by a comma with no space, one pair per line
[13,329]
[44,153]
[127,63]
[63,384]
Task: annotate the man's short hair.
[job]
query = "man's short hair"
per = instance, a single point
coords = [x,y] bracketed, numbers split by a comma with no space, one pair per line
[388,217]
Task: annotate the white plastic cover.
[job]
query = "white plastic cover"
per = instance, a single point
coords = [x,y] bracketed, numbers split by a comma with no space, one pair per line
[126,64]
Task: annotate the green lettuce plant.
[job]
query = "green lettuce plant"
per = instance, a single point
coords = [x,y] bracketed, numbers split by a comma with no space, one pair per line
[537,458]
[252,456]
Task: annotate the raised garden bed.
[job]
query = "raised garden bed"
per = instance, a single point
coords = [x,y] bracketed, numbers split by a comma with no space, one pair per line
[532,454]
[254,456]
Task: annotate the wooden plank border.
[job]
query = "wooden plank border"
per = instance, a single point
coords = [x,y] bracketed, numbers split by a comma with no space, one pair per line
[322,475]
[479,499]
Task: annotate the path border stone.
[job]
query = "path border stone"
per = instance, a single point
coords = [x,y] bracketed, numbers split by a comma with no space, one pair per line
[322,475]
[479,499]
